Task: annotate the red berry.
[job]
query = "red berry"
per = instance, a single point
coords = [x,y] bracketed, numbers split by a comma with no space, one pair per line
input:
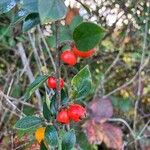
[83,54]
[52,83]
[63,117]
[68,57]
[76,112]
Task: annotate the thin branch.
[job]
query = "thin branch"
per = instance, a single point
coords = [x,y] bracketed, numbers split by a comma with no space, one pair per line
[144,128]
[139,73]
[36,55]
[47,48]
[28,71]
[100,90]
[127,83]
[11,106]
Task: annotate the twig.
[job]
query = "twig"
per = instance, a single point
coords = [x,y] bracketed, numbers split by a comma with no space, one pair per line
[100,88]
[10,106]
[36,55]
[139,75]
[17,100]
[28,71]
[47,48]
[127,83]
[144,128]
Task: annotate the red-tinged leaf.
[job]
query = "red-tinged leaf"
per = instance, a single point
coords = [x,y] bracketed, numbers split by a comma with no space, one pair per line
[109,134]
[100,110]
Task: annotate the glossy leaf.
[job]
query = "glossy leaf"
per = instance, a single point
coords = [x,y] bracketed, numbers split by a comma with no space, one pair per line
[46,112]
[30,5]
[51,135]
[28,122]
[20,16]
[35,85]
[31,21]
[51,10]
[53,105]
[82,83]
[87,35]
[64,98]
[69,140]
[6,5]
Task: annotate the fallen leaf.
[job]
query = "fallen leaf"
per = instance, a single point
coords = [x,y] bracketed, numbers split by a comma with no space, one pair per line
[109,134]
[100,109]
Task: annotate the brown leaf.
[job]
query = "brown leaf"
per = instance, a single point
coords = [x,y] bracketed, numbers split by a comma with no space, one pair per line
[70,14]
[100,109]
[109,134]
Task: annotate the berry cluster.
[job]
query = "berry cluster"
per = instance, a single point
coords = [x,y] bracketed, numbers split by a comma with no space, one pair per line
[70,56]
[75,112]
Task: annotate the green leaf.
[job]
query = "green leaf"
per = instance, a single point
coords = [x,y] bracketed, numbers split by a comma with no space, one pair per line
[42,146]
[28,123]
[64,98]
[124,104]
[51,135]
[35,85]
[75,22]
[6,5]
[27,110]
[30,5]
[69,140]
[53,105]
[87,35]
[53,102]
[20,16]
[51,10]
[83,141]
[65,34]
[31,21]
[46,112]
[16,91]
[82,83]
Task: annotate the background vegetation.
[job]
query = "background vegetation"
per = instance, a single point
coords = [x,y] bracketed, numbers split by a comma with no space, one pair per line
[120,68]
